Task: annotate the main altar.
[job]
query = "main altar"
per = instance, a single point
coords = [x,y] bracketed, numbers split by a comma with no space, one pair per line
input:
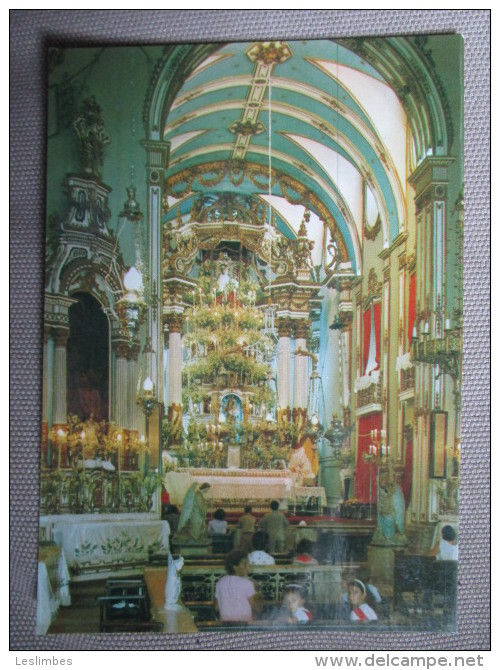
[231,425]
[232,489]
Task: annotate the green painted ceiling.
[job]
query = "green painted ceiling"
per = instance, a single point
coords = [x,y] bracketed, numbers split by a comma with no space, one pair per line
[237,83]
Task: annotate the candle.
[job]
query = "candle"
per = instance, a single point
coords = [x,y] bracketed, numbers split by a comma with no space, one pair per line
[426,328]
[414,335]
[447,324]
[383,433]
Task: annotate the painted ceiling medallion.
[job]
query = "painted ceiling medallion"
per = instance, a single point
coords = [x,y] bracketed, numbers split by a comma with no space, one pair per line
[269,53]
[247,127]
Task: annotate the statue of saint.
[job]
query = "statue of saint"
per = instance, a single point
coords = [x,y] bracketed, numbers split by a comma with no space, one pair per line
[173,583]
[390,514]
[192,528]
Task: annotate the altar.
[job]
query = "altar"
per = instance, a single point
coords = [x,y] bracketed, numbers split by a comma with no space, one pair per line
[240,486]
[101,547]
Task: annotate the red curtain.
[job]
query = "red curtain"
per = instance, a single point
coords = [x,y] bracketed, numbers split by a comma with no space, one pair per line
[411,307]
[367,327]
[406,483]
[365,471]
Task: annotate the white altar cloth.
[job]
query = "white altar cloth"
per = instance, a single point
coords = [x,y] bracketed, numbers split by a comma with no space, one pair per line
[52,588]
[108,543]
[231,484]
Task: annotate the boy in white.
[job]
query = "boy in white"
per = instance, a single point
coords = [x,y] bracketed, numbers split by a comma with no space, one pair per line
[356,595]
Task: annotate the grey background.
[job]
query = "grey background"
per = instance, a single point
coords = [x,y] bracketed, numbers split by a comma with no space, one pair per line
[30,33]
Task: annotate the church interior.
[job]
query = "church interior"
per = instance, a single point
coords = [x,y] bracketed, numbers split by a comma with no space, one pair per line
[252,334]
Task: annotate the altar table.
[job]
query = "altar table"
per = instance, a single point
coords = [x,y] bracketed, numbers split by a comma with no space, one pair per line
[231,485]
[52,586]
[98,545]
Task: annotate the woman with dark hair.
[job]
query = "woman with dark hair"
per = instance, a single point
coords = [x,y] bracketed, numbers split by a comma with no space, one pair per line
[218,525]
[235,596]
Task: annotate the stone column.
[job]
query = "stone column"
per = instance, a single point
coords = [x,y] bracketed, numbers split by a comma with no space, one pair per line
[132,375]
[120,383]
[284,353]
[60,391]
[157,162]
[430,181]
[174,402]
[301,376]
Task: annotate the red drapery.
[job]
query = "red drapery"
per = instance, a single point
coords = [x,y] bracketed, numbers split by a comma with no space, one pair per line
[367,328]
[365,471]
[411,307]
[406,483]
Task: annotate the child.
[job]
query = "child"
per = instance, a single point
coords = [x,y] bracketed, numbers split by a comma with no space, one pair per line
[235,596]
[356,595]
[294,610]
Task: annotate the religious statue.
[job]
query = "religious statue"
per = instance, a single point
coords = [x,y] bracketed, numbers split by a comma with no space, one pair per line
[390,514]
[192,528]
[173,584]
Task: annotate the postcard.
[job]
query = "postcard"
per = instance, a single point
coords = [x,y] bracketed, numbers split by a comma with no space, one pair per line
[252,337]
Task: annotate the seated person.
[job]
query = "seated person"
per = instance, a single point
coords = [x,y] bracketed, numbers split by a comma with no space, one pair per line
[217,525]
[235,596]
[293,609]
[259,555]
[304,551]
[356,595]
[447,547]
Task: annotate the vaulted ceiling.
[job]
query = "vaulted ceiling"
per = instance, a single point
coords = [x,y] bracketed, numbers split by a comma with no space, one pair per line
[296,125]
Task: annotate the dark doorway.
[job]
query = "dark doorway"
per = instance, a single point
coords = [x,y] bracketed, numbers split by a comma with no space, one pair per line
[88,359]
